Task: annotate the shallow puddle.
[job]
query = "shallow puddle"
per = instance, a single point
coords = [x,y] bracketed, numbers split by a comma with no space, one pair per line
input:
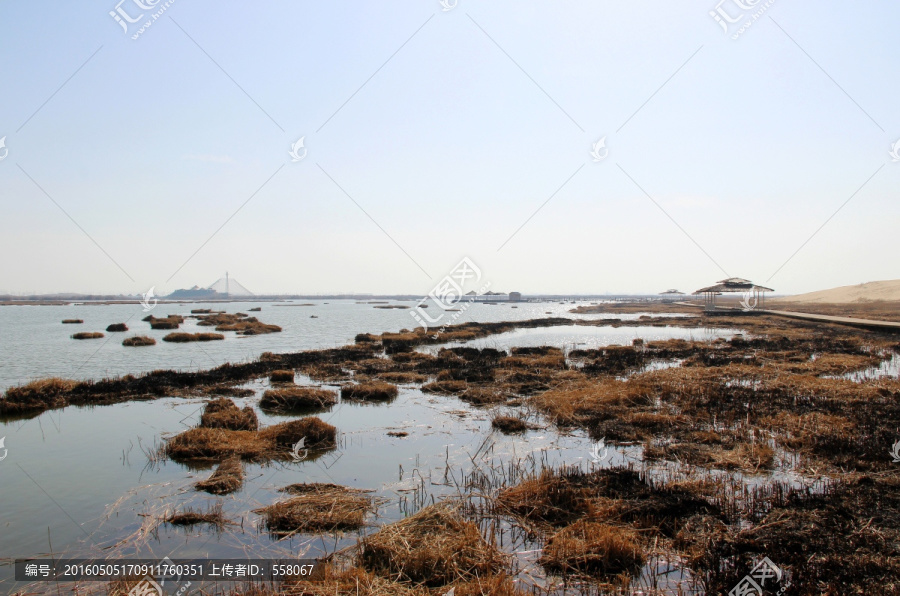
[583,337]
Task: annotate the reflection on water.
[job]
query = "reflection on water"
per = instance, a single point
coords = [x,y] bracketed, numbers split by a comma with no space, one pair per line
[886,369]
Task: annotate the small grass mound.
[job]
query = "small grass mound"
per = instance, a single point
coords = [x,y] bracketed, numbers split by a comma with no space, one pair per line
[593,548]
[289,399]
[117,328]
[216,444]
[434,547]
[88,335]
[191,517]
[223,413]
[317,434]
[272,442]
[402,377]
[509,424]
[170,322]
[188,337]
[240,323]
[137,341]
[281,376]
[73,321]
[479,396]
[369,391]
[317,508]
[228,477]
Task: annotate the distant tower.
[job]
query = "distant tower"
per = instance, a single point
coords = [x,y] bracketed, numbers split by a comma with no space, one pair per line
[227,285]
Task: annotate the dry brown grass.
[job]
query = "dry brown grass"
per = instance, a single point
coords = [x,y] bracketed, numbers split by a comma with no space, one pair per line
[811,430]
[593,548]
[88,335]
[192,517]
[480,396]
[189,337]
[169,322]
[117,328]
[318,434]
[823,364]
[509,424]
[535,361]
[369,391]
[37,395]
[239,323]
[273,442]
[325,372]
[228,477]
[549,498]
[223,413]
[328,580]
[749,457]
[139,340]
[73,321]
[317,508]
[618,496]
[451,387]
[217,444]
[402,377]
[281,376]
[288,399]
[577,401]
[434,547]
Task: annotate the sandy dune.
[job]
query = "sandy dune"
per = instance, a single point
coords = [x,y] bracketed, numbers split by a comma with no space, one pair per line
[868,292]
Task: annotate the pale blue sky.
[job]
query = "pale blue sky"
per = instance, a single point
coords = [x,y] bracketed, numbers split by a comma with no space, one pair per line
[450,146]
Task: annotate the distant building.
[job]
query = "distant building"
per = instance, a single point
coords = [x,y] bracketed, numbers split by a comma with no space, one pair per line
[754,295]
[515,296]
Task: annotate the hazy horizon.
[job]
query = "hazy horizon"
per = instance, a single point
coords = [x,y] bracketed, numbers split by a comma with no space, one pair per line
[436,132]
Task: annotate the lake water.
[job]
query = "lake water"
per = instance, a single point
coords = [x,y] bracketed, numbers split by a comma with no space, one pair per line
[35,344]
[77,481]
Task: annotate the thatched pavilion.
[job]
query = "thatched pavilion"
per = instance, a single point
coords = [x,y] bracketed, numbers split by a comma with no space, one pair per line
[754,295]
